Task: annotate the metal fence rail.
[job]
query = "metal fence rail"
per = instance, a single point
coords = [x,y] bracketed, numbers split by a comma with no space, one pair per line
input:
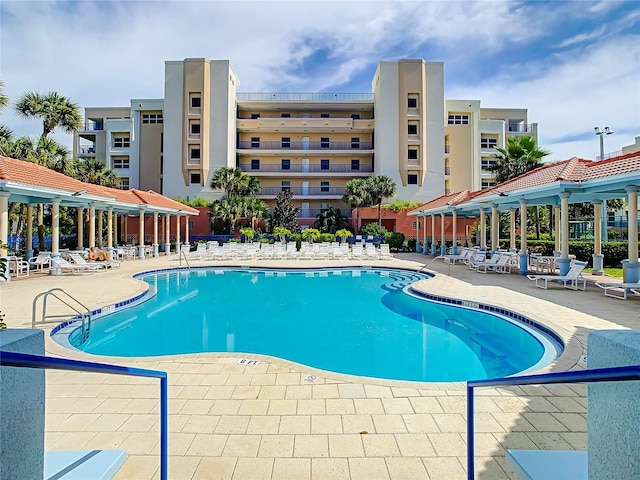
[614,374]
[13,359]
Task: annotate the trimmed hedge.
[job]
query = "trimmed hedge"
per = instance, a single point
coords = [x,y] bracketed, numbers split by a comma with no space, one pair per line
[614,252]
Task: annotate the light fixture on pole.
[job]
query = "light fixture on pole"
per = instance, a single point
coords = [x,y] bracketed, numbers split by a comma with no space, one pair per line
[601,134]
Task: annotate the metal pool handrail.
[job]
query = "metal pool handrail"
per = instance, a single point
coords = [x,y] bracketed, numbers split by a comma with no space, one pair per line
[613,374]
[13,359]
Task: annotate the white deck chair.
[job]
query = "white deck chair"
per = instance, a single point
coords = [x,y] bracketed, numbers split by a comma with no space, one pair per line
[461,257]
[65,266]
[40,262]
[18,266]
[573,279]
[483,263]
[500,266]
[477,256]
[79,259]
[619,290]
[385,252]
[200,252]
[370,251]
[357,252]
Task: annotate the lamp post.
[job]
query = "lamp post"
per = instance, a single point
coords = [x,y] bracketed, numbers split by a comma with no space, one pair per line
[601,134]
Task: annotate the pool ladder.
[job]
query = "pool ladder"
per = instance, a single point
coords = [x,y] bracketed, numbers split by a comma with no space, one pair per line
[80,311]
[183,254]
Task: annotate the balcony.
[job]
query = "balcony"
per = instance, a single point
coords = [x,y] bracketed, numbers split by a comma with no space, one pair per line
[306,168]
[92,127]
[314,212]
[305,124]
[279,145]
[303,191]
[86,150]
[306,117]
[520,128]
[304,97]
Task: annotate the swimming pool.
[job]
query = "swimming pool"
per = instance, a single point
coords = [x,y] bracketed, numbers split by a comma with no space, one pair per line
[354,321]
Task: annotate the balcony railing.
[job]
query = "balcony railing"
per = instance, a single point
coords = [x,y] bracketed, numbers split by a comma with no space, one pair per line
[447,149]
[279,145]
[306,168]
[520,128]
[303,191]
[84,150]
[302,115]
[303,97]
[314,212]
[92,127]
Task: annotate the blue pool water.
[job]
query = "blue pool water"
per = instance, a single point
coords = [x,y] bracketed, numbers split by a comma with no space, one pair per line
[358,322]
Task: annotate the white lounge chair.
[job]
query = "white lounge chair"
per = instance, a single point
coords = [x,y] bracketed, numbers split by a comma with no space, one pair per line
[483,263]
[79,259]
[619,290]
[385,252]
[573,279]
[40,262]
[502,265]
[461,257]
[64,266]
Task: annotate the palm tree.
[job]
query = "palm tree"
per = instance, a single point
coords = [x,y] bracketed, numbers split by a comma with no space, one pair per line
[229,210]
[4,100]
[521,156]
[379,188]
[91,170]
[248,185]
[229,179]
[52,108]
[254,209]
[331,220]
[356,195]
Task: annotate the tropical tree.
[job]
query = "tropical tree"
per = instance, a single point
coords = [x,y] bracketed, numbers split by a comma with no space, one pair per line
[4,100]
[521,156]
[331,220]
[91,170]
[254,208]
[356,195]
[285,214]
[379,188]
[228,210]
[52,108]
[234,182]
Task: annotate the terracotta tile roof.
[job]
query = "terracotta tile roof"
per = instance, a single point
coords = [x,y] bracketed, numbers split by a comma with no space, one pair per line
[32,174]
[449,199]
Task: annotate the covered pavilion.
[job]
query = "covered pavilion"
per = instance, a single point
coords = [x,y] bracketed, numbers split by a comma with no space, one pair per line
[32,184]
[570,181]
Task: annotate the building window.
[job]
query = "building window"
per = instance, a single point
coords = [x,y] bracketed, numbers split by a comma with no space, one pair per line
[412,129]
[488,184]
[412,102]
[324,207]
[194,178]
[324,115]
[324,187]
[194,100]
[194,129]
[255,164]
[488,164]
[121,142]
[120,162]
[286,185]
[324,164]
[324,142]
[488,142]
[355,142]
[285,164]
[416,225]
[412,154]
[285,115]
[355,116]
[151,118]
[194,153]
[355,164]
[255,116]
[458,120]
[286,142]
[255,142]
[123,183]
[412,179]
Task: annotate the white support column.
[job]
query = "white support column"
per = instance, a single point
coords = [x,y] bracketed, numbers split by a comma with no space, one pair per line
[178,233]
[454,231]
[4,222]
[632,205]
[512,228]
[417,234]
[564,224]
[92,226]
[141,234]
[556,227]
[433,234]
[425,245]
[80,228]
[55,226]
[126,228]
[524,255]
[155,234]
[186,229]
[29,231]
[495,242]
[443,240]
[116,221]
[99,232]
[110,233]
[167,237]
[597,238]
[482,229]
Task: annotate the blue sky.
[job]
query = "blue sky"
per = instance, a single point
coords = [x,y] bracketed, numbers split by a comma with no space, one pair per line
[574,64]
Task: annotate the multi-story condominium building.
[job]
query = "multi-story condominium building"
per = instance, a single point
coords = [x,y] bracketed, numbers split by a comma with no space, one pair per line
[309,143]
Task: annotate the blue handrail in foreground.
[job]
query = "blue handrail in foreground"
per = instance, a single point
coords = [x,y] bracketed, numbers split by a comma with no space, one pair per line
[615,374]
[12,359]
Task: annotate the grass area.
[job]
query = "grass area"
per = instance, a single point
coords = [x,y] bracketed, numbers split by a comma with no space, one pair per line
[613,272]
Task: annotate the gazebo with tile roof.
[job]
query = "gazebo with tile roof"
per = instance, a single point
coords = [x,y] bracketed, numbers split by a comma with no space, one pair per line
[29,183]
[571,181]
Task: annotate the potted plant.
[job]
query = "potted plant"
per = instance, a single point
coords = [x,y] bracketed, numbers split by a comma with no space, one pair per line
[281,233]
[248,233]
[310,234]
[343,234]
[4,265]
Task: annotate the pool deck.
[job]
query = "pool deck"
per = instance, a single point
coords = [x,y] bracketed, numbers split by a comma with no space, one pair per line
[230,421]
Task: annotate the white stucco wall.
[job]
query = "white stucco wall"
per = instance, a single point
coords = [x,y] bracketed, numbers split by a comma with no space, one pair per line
[172,179]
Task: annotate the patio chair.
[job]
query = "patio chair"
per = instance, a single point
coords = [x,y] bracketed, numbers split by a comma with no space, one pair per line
[476,264]
[619,290]
[501,265]
[40,262]
[64,266]
[461,257]
[573,279]
[18,266]
[385,253]
[79,259]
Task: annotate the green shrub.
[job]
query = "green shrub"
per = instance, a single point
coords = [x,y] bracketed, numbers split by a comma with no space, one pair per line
[234,240]
[395,241]
[327,237]
[614,253]
[296,237]
[411,245]
[373,229]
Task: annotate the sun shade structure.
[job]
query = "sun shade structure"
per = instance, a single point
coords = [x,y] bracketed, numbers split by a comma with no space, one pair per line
[31,184]
[570,181]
